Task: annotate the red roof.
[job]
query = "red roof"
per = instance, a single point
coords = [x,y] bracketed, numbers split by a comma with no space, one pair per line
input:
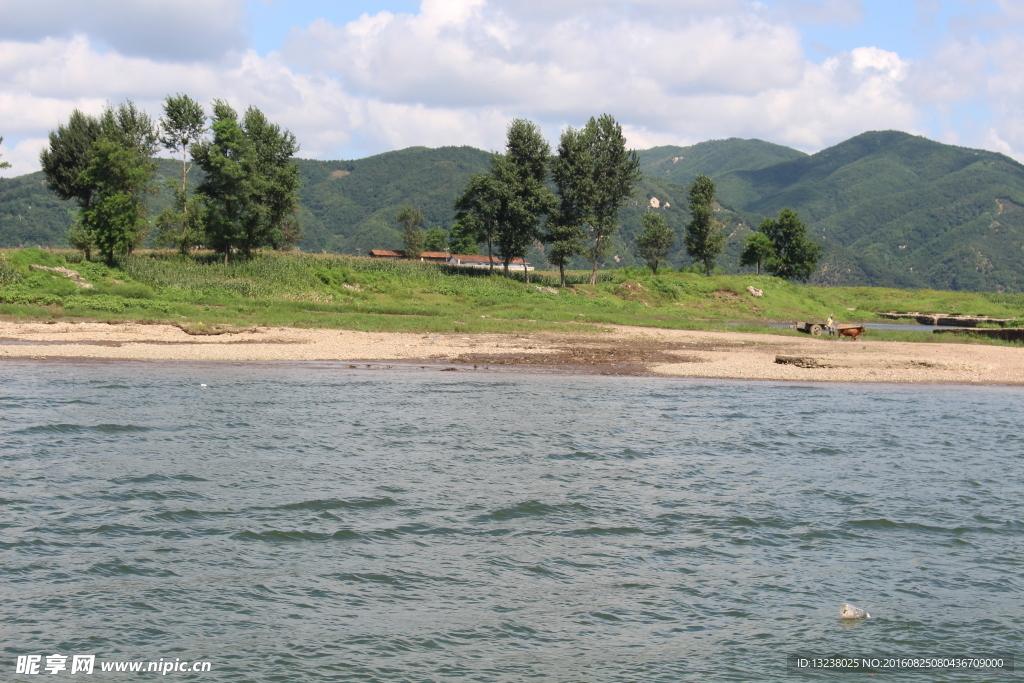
[387,252]
[434,254]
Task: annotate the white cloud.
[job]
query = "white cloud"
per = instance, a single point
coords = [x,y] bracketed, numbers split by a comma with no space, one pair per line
[39,92]
[23,156]
[672,71]
[668,73]
[183,30]
[478,56]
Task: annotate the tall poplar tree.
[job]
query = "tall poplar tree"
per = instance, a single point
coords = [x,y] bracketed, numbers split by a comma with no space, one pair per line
[599,174]
[705,238]
[3,164]
[522,171]
[412,237]
[182,125]
[573,174]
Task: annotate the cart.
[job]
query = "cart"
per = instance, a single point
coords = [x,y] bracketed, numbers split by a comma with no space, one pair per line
[817,329]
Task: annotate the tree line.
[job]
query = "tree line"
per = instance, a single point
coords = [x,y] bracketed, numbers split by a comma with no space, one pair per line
[571,202]
[779,244]
[593,174]
[247,198]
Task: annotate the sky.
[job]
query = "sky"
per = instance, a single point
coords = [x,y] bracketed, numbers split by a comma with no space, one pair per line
[353,78]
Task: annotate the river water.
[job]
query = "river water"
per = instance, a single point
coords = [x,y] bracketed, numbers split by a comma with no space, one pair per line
[308,522]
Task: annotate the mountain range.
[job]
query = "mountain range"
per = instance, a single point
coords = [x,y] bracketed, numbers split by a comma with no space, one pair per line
[889,208]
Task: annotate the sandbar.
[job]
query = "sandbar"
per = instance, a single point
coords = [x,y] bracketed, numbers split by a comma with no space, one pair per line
[609,350]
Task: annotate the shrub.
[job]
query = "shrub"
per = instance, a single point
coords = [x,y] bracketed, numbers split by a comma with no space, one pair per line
[9,275]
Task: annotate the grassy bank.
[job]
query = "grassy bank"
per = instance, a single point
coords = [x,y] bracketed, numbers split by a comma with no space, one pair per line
[365,294]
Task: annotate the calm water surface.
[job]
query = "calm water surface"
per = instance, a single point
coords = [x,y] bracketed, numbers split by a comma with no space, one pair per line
[310,522]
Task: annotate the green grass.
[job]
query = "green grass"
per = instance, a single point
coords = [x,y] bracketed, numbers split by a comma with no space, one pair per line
[331,291]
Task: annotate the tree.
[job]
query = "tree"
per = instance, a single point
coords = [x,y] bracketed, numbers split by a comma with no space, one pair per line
[705,238]
[182,125]
[566,240]
[573,173]
[436,239]
[251,181]
[616,174]
[181,225]
[521,173]
[106,165]
[478,210]
[122,175]
[3,164]
[80,238]
[464,238]
[757,249]
[654,240]
[68,154]
[115,223]
[599,174]
[795,257]
[412,236]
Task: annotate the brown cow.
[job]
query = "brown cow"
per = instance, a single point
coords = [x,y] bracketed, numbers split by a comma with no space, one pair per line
[852,331]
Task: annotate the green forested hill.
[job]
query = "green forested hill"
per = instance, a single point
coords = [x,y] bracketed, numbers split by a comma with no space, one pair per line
[352,204]
[714,158]
[344,204]
[891,209]
[894,209]
[30,215]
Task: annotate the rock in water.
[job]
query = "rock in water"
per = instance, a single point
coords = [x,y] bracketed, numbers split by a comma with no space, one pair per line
[848,611]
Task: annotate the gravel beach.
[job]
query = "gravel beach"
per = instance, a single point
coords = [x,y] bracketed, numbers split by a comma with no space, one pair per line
[610,350]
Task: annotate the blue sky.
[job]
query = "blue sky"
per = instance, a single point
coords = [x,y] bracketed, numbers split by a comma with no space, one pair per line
[354,78]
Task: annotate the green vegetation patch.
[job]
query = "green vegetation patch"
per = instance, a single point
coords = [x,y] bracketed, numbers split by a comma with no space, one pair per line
[327,291]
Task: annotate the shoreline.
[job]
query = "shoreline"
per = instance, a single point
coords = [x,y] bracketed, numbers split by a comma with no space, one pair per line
[610,350]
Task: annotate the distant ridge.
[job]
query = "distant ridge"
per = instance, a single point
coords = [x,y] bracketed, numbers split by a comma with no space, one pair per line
[900,210]
[714,158]
[890,208]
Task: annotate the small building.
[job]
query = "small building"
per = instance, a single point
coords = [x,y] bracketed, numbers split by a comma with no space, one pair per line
[386,253]
[475,261]
[435,256]
[425,256]
[466,260]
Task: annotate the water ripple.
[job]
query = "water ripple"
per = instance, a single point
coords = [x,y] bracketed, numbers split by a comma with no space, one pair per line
[322,523]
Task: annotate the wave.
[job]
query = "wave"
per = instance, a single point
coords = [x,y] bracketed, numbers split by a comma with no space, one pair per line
[277,536]
[319,504]
[533,508]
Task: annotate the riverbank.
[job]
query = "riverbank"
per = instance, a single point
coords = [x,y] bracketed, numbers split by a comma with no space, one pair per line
[376,295]
[606,350]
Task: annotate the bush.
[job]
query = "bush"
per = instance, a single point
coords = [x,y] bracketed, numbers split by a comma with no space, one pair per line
[9,275]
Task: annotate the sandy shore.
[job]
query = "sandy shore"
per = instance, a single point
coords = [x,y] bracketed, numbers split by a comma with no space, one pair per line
[618,351]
